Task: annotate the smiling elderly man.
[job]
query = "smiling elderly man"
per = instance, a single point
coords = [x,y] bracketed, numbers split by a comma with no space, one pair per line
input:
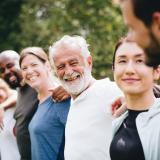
[88,128]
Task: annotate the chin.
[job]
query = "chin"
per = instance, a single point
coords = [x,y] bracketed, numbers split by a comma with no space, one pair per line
[73,90]
[131,92]
[33,85]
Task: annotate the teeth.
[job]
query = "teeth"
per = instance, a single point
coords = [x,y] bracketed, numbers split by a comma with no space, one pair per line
[72,77]
[12,78]
[32,79]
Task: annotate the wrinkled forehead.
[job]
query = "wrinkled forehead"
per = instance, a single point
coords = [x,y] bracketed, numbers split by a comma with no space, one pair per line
[68,54]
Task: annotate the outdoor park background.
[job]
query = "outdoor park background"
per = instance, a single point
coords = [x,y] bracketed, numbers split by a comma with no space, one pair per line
[26,23]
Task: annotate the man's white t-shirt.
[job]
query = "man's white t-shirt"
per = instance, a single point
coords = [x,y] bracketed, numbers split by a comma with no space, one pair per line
[88,128]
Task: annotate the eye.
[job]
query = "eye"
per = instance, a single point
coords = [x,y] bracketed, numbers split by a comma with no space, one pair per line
[74,63]
[121,61]
[140,61]
[23,68]
[60,67]
[34,64]
[10,65]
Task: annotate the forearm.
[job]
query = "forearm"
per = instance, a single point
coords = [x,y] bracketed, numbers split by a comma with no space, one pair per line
[10,101]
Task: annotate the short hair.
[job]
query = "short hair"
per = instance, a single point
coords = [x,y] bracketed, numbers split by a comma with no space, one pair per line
[69,41]
[36,51]
[144,9]
[10,53]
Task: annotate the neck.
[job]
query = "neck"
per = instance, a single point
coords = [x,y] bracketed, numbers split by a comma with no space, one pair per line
[44,92]
[140,101]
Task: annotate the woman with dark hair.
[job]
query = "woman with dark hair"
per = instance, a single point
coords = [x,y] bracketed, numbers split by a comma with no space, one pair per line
[48,124]
[137,131]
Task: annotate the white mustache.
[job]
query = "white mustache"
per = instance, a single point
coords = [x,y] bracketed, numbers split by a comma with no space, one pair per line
[72,76]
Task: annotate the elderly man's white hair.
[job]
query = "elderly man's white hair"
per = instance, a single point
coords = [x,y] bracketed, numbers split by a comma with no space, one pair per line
[70,41]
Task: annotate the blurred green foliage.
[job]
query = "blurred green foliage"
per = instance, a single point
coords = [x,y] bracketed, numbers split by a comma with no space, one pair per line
[41,22]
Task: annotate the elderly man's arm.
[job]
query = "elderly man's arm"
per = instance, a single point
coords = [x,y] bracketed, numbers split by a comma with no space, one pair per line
[59,94]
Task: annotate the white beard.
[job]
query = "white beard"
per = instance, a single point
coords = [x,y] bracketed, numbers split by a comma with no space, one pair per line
[78,85]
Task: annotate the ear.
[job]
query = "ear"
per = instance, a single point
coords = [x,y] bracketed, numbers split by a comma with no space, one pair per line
[89,61]
[156,73]
[156,24]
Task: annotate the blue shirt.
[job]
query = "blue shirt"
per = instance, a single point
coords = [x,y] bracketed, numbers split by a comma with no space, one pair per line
[47,130]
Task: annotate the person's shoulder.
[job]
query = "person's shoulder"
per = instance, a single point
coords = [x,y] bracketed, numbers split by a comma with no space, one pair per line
[156,90]
[106,83]
[27,91]
[157,102]
[63,104]
[107,88]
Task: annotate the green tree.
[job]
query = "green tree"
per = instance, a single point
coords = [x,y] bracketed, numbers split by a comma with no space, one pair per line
[44,21]
[9,28]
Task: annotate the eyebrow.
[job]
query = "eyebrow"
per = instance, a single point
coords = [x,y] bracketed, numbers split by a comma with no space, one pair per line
[122,56]
[139,55]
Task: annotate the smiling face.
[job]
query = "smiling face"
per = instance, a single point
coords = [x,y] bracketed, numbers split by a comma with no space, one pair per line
[147,37]
[73,70]
[10,71]
[130,72]
[34,71]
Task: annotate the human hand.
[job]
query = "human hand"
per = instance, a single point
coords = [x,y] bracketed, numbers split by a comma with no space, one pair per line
[59,94]
[118,107]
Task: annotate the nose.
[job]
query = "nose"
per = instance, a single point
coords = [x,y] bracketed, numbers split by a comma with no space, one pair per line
[68,70]
[130,68]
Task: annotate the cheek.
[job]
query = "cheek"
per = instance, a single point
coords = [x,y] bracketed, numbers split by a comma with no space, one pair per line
[146,75]
[3,97]
[137,37]
[81,69]
[24,75]
[60,73]
[118,72]
[3,76]
[116,77]
[142,38]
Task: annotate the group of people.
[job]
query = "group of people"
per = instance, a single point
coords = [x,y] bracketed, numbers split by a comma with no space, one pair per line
[27,101]
[76,122]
